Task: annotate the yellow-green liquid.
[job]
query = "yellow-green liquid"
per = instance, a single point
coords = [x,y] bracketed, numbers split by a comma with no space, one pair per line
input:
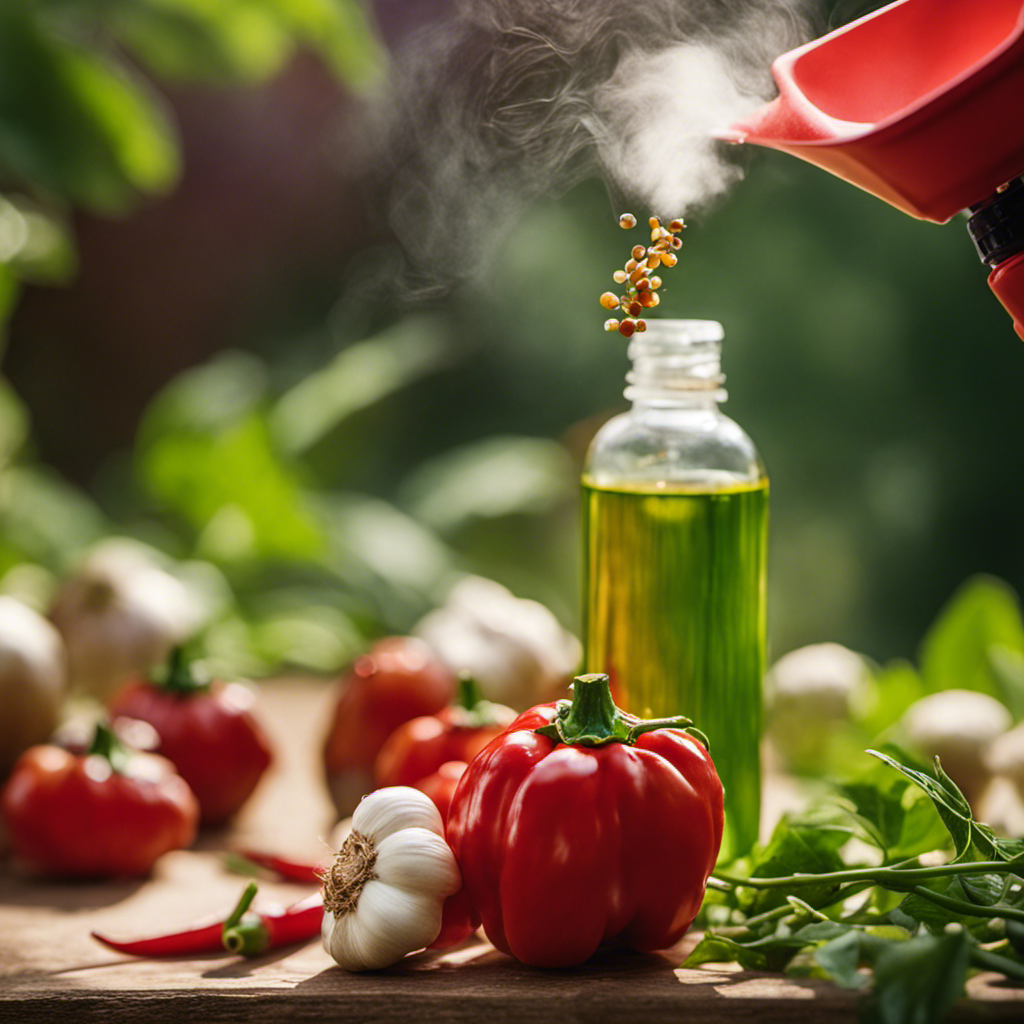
[674,612]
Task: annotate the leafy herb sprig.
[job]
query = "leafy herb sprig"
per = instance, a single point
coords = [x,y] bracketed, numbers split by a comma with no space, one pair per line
[941,895]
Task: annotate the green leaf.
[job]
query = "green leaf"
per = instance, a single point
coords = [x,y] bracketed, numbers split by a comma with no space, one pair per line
[918,981]
[796,846]
[76,124]
[879,808]
[840,958]
[339,29]
[362,374]
[487,479]
[196,39]
[205,451]
[971,841]
[984,614]
[714,948]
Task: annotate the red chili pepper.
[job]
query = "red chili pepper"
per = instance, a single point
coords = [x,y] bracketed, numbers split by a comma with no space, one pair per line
[582,825]
[292,870]
[400,678]
[207,730]
[249,934]
[242,931]
[458,732]
[105,814]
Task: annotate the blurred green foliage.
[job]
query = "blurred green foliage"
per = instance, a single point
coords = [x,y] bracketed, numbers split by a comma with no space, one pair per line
[338,471]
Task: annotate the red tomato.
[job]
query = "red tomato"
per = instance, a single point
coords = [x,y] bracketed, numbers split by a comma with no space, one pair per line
[459,732]
[89,816]
[207,731]
[400,678]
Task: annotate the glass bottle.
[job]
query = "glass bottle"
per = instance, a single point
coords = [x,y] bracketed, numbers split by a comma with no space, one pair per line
[675,528]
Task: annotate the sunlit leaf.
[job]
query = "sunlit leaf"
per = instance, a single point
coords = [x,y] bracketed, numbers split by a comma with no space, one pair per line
[339,29]
[982,615]
[198,39]
[495,477]
[362,374]
[75,123]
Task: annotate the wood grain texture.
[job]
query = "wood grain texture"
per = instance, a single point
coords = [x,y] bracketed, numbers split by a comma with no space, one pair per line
[52,970]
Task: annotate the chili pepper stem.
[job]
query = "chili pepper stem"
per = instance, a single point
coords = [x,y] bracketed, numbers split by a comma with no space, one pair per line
[243,932]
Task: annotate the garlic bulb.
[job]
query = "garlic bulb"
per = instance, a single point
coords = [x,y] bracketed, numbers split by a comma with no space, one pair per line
[120,614]
[385,890]
[514,648]
[32,677]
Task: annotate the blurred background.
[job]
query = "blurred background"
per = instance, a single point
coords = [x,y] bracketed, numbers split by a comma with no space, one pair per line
[204,350]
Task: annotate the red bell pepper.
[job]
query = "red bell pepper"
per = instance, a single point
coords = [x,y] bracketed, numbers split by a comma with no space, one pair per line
[459,732]
[400,678]
[582,825]
[207,730]
[106,814]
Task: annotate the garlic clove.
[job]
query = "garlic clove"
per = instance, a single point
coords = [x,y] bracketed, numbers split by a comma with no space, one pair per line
[418,860]
[389,810]
[399,921]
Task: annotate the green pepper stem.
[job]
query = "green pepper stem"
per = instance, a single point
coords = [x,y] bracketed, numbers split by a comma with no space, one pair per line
[968,909]
[591,718]
[179,677]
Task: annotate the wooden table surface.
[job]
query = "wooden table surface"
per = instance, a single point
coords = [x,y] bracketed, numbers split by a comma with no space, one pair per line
[52,970]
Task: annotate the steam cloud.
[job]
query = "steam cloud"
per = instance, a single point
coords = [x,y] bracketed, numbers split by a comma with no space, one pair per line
[512,99]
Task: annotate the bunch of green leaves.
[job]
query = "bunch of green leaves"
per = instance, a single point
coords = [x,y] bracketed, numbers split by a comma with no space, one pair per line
[82,126]
[905,928]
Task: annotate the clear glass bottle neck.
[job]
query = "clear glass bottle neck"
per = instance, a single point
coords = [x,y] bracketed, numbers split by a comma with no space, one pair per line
[676,365]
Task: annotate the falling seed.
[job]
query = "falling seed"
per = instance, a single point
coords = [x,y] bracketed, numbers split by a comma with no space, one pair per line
[655,281]
[677,243]
[627,327]
[639,252]
[637,274]
[609,300]
[649,299]
[654,222]
[611,324]
[627,221]
[643,284]
[619,277]
[630,266]
[641,326]
[669,259]
[635,308]
[676,225]
[653,261]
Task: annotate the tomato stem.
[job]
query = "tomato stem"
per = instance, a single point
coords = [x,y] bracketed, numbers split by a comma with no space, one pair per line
[180,677]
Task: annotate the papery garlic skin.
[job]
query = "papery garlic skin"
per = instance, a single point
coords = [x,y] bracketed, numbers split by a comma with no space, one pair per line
[398,907]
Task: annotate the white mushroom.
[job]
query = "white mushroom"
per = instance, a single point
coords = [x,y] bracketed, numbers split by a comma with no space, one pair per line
[809,694]
[957,726]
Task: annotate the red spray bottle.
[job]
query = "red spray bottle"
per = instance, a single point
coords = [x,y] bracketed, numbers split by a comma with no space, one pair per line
[920,103]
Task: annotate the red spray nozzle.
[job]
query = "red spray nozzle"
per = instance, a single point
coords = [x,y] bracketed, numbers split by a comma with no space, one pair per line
[919,103]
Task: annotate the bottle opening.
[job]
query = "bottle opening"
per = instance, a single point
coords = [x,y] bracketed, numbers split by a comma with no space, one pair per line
[676,361]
